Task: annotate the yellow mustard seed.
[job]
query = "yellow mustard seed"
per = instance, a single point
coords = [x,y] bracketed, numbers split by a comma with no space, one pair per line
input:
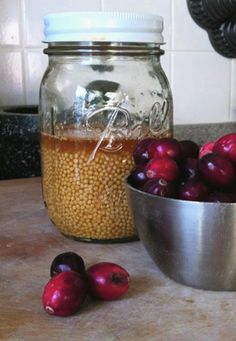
[86,199]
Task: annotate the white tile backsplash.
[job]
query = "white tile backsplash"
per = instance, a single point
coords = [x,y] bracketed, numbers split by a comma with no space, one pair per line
[36,10]
[36,63]
[233,91]
[10,16]
[203,82]
[201,87]
[11,83]
[187,35]
[166,64]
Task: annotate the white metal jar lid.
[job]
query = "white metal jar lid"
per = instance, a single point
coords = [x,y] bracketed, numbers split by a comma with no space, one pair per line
[103,26]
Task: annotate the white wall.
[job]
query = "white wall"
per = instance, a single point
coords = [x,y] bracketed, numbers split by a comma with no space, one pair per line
[203,82]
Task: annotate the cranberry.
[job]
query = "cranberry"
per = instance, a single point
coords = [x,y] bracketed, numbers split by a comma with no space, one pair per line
[165,168]
[189,168]
[138,177]
[189,149]
[165,147]
[67,261]
[226,146]
[107,281]
[218,196]
[64,294]
[160,187]
[206,148]
[217,170]
[232,195]
[141,155]
[193,189]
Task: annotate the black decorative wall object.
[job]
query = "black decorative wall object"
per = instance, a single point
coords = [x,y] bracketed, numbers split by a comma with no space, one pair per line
[218,17]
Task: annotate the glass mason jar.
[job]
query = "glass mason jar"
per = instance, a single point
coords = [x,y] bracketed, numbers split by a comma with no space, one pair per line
[98,98]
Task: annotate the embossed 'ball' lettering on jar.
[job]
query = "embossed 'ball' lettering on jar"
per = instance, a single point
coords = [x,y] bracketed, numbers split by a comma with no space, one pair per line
[103,91]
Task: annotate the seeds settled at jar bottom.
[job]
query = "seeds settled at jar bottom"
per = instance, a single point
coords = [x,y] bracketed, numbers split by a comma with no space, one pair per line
[86,199]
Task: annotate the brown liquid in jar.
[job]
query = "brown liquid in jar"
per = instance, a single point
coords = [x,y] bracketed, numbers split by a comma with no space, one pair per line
[86,198]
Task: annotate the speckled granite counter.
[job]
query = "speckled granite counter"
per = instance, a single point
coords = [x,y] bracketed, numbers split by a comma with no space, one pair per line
[154,309]
[201,133]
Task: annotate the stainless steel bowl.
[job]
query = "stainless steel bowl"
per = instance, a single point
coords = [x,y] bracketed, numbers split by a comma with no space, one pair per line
[193,243]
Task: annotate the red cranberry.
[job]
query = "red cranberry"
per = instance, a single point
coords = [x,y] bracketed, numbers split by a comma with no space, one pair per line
[107,281]
[141,155]
[165,147]
[189,168]
[160,187]
[165,168]
[218,197]
[189,149]
[138,177]
[226,146]
[67,261]
[64,294]
[232,195]
[193,189]
[217,170]
[206,148]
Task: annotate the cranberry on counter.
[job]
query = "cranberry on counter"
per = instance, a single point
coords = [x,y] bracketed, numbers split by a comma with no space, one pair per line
[66,291]
[107,281]
[64,294]
[67,261]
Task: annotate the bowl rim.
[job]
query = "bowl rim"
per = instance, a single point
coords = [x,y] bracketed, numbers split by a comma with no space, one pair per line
[172,200]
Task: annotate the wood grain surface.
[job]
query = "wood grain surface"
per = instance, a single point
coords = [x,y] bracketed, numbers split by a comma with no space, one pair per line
[155,308]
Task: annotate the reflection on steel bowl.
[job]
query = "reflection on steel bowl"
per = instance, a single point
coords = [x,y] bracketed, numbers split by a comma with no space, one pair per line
[193,243]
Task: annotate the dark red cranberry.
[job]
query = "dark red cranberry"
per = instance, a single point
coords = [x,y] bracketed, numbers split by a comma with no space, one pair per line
[67,261]
[107,281]
[226,146]
[189,149]
[218,197]
[160,187]
[64,294]
[165,147]
[189,168]
[165,168]
[140,154]
[205,149]
[193,189]
[137,177]
[232,195]
[216,170]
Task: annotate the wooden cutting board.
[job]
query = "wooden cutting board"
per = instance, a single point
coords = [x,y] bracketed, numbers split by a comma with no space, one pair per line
[155,308]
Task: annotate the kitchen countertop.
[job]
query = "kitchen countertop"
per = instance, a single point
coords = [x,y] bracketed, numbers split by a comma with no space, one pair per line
[155,307]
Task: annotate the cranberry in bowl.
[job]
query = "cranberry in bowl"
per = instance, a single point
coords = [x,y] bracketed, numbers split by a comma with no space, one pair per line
[188,224]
